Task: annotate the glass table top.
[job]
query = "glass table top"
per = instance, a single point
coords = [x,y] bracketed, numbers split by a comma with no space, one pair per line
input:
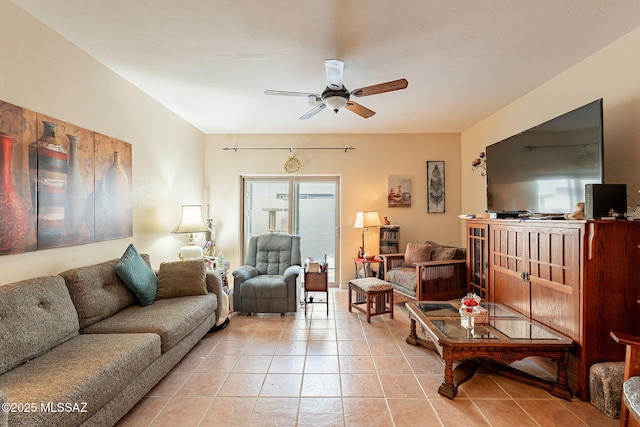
[503,323]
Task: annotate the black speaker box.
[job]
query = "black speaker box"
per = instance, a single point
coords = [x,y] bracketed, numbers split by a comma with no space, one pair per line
[600,199]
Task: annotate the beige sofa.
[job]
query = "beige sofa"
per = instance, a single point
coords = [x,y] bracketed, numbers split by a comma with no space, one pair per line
[78,349]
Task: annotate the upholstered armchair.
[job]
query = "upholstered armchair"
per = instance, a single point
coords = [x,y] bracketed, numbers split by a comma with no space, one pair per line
[427,272]
[268,282]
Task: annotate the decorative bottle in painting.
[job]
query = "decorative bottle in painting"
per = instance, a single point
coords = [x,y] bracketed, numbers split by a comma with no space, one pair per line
[14,216]
[48,165]
[117,185]
[76,192]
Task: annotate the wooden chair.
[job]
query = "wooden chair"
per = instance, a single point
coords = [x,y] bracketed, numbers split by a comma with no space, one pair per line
[630,409]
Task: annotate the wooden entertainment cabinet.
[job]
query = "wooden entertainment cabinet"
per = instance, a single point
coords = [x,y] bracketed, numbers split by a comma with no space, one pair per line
[580,278]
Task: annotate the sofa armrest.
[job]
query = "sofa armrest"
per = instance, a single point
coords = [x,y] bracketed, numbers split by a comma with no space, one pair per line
[440,280]
[390,261]
[214,286]
[4,415]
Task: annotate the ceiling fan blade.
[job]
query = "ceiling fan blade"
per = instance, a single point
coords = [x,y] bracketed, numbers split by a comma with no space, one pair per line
[287,93]
[359,109]
[381,88]
[315,110]
[335,71]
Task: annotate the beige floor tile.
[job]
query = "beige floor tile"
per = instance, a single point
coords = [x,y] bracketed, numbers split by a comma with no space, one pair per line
[366,412]
[247,364]
[282,385]
[321,365]
[242,385]
[202,385]
[221,363]
[287,365]
[361,385]
[483,386]
[275,411]
[353,348]
[316,385]
[396,386]
[362,364]
[229,411]
[321,348]
[392,365]
[170,384]
[291,348]
[320,412]
[459,412]
[182,411]
[504,413]
[145,411]
[412,412]
[549,412]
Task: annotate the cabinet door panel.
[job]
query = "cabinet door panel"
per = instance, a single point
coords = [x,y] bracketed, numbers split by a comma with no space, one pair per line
[554,270]
[507,266]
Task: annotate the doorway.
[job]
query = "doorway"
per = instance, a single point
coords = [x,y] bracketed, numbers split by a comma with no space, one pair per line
[304,205]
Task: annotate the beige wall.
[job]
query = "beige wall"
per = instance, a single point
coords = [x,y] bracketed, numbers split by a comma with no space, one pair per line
[611,74]
[363,173]
[43,72]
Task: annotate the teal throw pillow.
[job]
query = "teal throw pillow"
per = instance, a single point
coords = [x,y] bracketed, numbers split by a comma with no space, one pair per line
[138,276]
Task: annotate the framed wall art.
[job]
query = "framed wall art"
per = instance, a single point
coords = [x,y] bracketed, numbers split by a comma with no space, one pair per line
[435,186]
[399,192]
[60,185]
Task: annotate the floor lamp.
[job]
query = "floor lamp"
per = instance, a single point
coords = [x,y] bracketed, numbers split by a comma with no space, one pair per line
[365,220]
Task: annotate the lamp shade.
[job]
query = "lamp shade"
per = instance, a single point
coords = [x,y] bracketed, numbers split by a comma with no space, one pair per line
[367,219]
[191,220]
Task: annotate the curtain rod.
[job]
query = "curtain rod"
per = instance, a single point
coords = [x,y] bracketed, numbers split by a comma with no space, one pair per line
[290,149]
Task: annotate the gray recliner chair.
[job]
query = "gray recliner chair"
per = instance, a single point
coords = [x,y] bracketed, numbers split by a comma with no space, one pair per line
[268,282]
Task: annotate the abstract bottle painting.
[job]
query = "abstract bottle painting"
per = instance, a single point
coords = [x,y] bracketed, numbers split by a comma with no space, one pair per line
[55,180]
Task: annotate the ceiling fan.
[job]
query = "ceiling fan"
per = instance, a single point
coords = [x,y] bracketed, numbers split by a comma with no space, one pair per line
[336,96]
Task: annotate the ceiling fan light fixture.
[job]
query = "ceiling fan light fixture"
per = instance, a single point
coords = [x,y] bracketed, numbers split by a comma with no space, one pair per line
[335,102]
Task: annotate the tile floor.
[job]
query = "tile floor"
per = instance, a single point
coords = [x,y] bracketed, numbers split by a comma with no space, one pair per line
[336,370]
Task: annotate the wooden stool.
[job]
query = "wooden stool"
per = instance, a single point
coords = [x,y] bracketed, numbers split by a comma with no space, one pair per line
[375,293]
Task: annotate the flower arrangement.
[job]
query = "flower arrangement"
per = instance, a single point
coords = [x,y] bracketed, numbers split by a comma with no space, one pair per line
[480,162]
[470,303]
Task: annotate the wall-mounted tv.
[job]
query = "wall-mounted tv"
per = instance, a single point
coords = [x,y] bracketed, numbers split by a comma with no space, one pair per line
[543,170]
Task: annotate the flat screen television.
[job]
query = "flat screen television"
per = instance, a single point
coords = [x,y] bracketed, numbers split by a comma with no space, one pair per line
[543,170]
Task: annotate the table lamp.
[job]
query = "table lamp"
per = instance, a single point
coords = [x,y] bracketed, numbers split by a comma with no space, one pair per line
[365,220]
[191,222]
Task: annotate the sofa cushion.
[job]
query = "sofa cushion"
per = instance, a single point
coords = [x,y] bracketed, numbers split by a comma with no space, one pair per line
[91,369]
[35,315]
[138,276]
[172,319]
[182,278]
[416,252]
[445,253]
[97,292]
[404,277]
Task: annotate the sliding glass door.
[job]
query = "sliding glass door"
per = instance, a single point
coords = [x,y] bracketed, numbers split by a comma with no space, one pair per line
[307,206]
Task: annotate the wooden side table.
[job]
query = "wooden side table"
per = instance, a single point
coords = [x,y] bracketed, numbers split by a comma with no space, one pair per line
[315,282]
[366,267]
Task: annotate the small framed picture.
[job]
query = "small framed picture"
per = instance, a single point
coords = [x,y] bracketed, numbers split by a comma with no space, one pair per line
[435,186]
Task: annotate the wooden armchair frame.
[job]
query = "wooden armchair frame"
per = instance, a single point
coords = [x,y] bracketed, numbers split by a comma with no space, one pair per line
[628,416]
[435,280]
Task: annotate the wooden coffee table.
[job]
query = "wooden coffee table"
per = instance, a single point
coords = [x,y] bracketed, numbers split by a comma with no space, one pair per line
[506,338]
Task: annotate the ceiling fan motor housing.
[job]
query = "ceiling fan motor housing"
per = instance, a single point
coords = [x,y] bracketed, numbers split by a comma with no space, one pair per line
[335,98]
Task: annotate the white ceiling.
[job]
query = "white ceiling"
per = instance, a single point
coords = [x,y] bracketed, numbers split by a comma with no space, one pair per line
[210,61]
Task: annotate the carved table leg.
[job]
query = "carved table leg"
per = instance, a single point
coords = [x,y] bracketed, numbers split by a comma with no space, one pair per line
[561,388]
[411,339]
[448,388]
